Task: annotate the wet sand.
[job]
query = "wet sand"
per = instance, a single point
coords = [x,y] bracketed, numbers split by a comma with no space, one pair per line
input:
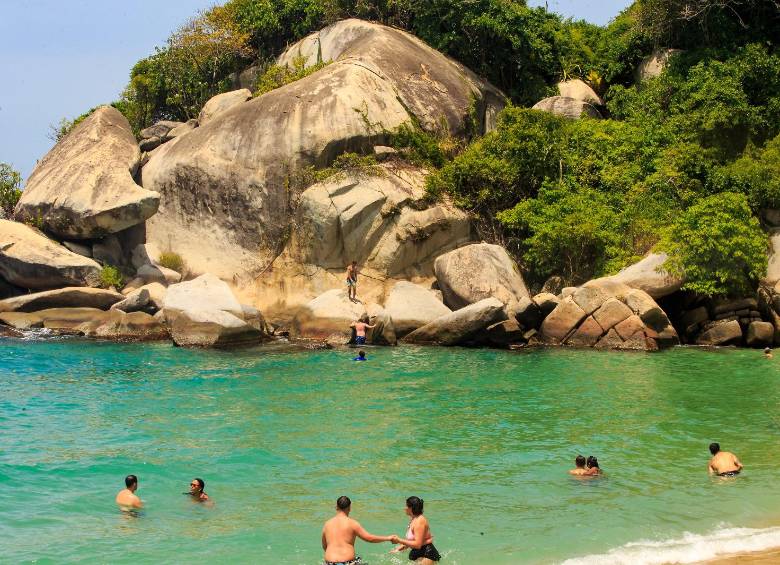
[770,557]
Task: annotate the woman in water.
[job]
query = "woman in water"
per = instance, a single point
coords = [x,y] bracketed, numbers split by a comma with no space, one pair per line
[419,539]
[196,490]
[592,467]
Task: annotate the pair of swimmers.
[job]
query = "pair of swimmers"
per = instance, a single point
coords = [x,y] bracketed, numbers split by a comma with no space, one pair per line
[339,534]
[128,500]
[586,467]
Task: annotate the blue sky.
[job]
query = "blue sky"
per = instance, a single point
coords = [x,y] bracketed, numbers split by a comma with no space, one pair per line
[59,58]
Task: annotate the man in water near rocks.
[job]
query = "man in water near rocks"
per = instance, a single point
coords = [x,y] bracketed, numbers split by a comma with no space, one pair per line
[126,498]
[723,463]
[768,353]
[361,326]
[361,356]
[580,470]
[196,490]
[352,275]
[339,533]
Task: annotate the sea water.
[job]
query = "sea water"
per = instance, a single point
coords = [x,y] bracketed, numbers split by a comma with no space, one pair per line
[484,437]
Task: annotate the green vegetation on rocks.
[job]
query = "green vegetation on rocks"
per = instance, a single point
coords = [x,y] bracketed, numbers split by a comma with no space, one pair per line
[111,277]
[10,181]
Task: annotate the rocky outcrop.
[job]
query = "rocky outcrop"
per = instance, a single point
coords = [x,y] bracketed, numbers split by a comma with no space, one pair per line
[383,332]
[568,108]
[328,317]
[461,326]
[722,332]
[760,334]
[90,322]
[227,186]
[411,306]
[136,301]
[74,297]
[654,64]
[609,316]
[579,90]
[773,268]
[29,259]
[478,271]
[205,313]
[84,188]
[222,103]
[650,276]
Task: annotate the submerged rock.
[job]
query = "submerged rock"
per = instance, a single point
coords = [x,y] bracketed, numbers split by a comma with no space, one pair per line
[84,188]
[29,259]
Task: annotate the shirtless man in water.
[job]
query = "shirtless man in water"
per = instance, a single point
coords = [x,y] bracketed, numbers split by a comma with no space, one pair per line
[723,463]
[339,533]
[579,470]
[126,498]
[361,326]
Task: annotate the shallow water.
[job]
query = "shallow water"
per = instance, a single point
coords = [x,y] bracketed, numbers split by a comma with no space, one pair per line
[485,437]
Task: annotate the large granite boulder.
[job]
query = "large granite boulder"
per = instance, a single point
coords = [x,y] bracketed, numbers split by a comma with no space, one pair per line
[411,306]
[460,326]
[204,312]
[84,188]
[328,316]
[478,271]
[568,108]
[760,334]
[579,90]
[383,332]
[722,332]
[29,259]
[222,103]
[773,267]
[71,297]
[121,326]
[562,321]
[650,276]
[228,186]
[654,64]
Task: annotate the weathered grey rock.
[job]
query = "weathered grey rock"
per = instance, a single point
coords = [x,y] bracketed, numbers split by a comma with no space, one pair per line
[329,314]
[78,248]
[733,305]
[84,188]
[578,90]
[478,271]
[695,316]
[383,152]
[161,129]
[255,318]
[150,144]
[610,341]
[7,290]
[647,309]
[504,334]
[760,334]
[554,285]
[527,313]
[459,326]
[182,129]
[134,302]
[156,273]
[721,333]
[204,292]
[28,259]
[210,328]
[566,316]
[654,64]
[568,108]
[773,267]
[72,297]
[225,186]
[589,299]
[108,251]
[411,306]
[121,326]
[384,331]
[222,103]
[587,335]
[546,302]
[145,254]
[567,291]
[649,275]
[611,313]
[132,285]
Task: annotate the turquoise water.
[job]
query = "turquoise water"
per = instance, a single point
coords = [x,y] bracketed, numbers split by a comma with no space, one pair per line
[485,437]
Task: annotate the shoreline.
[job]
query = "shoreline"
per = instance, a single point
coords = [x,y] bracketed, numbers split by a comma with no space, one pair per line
[764,557]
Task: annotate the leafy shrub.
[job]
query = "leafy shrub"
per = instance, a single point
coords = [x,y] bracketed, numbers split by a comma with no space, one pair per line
[718,245]
[171,260]
[111,277]
[277,76]
[10,193]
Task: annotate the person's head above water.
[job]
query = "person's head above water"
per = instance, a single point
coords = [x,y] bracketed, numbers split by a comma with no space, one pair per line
[767,350]
[131,482]
[714,448]
[593,462]
[414,505]
[196,486]
[343,504]
[579,461]
[362,354]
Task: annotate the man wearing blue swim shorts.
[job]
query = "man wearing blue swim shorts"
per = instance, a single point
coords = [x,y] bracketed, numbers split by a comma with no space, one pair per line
[352,274]
[360,330]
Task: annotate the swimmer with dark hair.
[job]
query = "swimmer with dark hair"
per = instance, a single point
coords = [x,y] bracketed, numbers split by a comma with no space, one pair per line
[361,356]
[723,463]
[126,498]
[579,467]
[593,468]
[196,490]
[339,533]
[419,539]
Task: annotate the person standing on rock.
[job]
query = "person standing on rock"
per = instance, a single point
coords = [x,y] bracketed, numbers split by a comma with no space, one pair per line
[723,463]
[352,275]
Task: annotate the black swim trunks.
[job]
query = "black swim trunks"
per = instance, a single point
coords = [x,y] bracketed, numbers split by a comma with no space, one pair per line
[729,474]
[427,551]
[355,561]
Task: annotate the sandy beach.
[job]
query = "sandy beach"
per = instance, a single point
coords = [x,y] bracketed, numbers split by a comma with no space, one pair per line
[754,558]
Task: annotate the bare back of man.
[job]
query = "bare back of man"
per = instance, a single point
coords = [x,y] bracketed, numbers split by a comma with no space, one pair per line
[725,463]
[128,500]
[339,533]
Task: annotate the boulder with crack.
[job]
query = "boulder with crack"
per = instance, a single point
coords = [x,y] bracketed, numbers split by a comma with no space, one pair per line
[411,306]
[460,326]
[84,188]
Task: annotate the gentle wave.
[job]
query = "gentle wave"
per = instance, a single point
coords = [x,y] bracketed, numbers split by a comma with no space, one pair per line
[690,548]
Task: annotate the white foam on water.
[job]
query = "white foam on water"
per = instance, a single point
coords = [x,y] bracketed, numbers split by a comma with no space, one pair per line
[690,548]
